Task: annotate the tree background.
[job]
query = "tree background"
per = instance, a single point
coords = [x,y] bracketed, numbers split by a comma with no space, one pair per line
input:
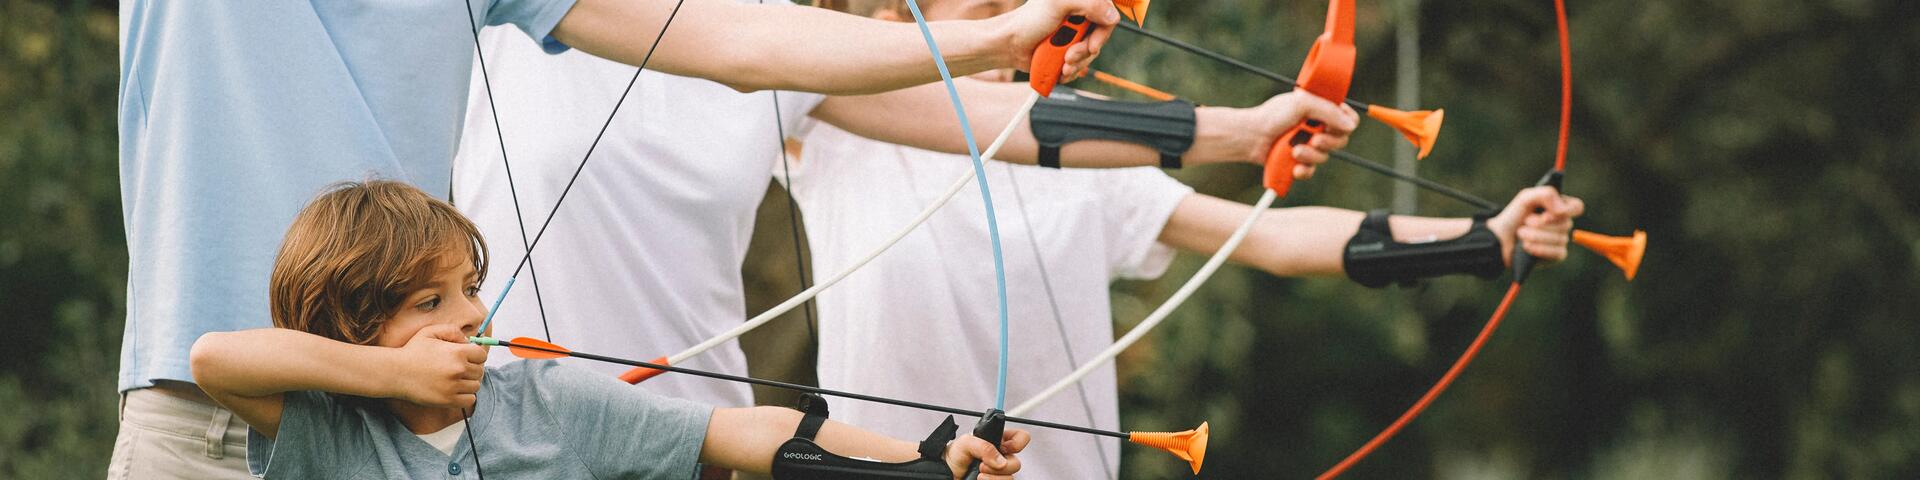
[1763,144]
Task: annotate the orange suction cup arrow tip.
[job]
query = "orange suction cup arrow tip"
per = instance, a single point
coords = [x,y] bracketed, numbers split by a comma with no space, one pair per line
[1190,445]
[1422,127]
[641,374]
[1135,10]
[536,349]
[1624,252]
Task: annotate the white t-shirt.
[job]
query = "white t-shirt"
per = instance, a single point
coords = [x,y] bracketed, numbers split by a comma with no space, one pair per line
[922,321]
[643,258]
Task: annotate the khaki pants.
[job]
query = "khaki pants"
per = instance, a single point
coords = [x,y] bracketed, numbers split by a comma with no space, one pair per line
[164,436]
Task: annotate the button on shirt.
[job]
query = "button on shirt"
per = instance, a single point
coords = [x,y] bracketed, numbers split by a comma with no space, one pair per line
[233,115]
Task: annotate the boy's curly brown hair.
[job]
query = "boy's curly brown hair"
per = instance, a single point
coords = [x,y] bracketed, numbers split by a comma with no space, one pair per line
[354,253]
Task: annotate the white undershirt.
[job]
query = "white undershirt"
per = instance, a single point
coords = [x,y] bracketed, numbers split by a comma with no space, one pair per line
[445,439]
[921,322]
[643,259]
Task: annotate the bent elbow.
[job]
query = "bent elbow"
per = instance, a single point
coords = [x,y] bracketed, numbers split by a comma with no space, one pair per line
[204,358]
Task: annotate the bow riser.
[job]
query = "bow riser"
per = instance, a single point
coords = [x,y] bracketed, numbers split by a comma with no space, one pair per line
[1327,73]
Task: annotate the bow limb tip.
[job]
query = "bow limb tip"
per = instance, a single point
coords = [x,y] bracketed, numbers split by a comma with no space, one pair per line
[1190,445]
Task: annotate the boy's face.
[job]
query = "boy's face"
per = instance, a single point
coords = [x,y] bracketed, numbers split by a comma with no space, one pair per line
[450,297]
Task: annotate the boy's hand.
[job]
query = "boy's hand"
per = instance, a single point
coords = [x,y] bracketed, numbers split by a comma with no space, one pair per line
[999,464]
[1035,21]
[1542,219]
[1283,111]
[438,368]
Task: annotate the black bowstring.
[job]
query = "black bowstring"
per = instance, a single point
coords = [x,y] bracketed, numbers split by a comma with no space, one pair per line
[493,109]
[793,215]
[526,259]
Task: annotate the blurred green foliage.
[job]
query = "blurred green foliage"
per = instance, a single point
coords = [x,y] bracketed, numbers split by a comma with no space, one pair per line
[63,257]
[1769,147]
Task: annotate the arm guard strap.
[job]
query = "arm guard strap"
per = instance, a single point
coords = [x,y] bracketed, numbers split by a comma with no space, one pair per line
[801,458]
[1374,259]
[1166,127]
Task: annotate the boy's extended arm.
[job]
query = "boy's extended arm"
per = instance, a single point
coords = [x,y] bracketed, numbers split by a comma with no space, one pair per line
[249,371]
[746,439]
[1310,241]
[788,47]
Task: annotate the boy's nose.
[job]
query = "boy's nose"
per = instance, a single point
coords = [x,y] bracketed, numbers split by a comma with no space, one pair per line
[474,317]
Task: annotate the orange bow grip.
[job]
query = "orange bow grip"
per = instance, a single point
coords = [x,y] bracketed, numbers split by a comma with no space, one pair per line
[1280,161]
[1327,73]
[1051,55]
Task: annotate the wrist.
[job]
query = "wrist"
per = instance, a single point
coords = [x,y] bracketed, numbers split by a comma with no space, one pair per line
[377,365]
[1219,137]
[995,45]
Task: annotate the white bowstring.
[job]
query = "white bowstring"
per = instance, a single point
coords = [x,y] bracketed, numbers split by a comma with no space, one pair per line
[1159,314]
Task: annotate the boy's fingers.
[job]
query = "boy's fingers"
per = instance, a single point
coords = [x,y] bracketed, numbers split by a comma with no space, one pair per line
[1008,465]
[475,353]
[443,332]
[980,449]
[1014,441]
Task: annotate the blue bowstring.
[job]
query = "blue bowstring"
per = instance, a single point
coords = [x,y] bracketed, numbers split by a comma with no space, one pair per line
[980,178]
[496,306]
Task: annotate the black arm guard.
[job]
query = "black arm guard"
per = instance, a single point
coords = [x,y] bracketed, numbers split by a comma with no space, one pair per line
[1166,127]
[1373,259]
[801,458]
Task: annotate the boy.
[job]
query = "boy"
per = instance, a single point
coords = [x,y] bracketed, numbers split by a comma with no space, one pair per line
[369,374]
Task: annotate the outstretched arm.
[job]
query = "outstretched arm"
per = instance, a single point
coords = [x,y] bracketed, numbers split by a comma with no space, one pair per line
[922,117]
[746,439]
[1309,241]
[788,47]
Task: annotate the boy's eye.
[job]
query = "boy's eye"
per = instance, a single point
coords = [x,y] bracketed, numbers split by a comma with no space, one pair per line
[473,290]
[430,303]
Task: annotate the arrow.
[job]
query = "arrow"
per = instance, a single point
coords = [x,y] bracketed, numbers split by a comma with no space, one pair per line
[1189,445]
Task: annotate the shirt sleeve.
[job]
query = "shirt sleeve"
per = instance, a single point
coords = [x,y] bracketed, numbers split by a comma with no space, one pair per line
[622,430]
[320,437]
[1143,199]
[535,17]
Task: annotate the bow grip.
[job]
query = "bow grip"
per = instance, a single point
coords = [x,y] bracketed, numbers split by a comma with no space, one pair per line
[1051,55]
[992,428]
[1280,161]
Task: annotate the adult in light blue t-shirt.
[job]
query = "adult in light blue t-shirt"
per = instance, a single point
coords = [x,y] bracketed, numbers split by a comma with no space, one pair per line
[234,114]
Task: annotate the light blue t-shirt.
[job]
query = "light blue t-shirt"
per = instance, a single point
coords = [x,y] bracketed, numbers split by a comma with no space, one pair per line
[233,115]
[534,419]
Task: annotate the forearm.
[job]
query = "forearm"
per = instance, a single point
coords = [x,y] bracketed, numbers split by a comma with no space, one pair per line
[1301,241]
[786,47]
[268,361]
[922,117]
[746,439]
